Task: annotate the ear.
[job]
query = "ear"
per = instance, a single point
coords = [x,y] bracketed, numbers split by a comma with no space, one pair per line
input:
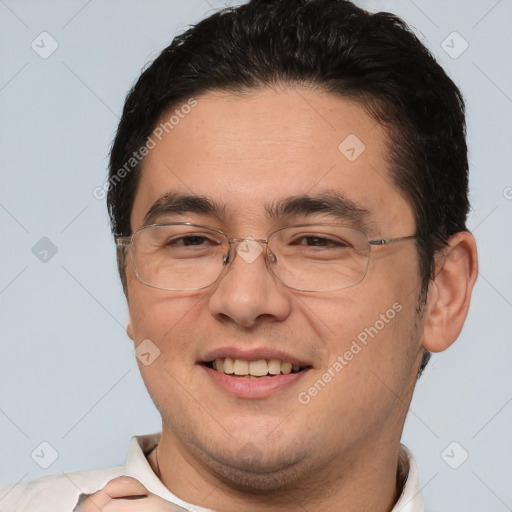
[129,330]
[449,293]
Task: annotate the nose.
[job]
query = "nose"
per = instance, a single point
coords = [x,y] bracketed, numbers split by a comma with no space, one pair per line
[248,293]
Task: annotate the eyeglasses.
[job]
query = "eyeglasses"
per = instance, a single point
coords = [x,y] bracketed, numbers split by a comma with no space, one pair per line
[181,256]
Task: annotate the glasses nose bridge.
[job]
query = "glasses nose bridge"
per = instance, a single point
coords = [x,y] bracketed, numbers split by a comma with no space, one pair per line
[250,252]
[248,239]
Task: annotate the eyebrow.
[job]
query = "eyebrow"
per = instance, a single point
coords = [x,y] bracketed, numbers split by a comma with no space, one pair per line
[175,203]
[333,204]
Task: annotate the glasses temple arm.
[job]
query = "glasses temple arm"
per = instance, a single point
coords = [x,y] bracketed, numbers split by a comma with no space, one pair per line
[386,241]
[122,241]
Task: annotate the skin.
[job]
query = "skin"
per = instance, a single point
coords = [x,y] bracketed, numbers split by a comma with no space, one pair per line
[244,151]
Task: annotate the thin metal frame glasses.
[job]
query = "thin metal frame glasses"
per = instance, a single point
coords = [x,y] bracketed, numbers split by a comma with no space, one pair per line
[182,256]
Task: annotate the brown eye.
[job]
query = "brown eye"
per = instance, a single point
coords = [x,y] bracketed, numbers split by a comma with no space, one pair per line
[319,241]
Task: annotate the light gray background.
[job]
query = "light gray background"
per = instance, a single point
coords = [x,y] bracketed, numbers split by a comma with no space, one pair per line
[67,369]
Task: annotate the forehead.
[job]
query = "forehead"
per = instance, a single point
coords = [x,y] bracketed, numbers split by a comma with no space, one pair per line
[246,151]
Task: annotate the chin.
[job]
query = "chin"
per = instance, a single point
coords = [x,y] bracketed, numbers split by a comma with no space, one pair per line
[256,461]
[252,471]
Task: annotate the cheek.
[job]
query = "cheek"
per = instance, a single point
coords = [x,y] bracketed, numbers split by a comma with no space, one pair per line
[370,360]
[352,315]
[369,329]
[171,326]
[163,317]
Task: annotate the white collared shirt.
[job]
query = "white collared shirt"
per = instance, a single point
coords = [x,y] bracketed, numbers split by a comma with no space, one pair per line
[60,493]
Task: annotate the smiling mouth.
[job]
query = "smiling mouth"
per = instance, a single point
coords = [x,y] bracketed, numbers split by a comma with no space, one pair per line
[254,369]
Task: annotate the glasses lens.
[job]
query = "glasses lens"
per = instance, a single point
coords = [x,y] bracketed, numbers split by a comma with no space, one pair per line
[319,258]
[178,257]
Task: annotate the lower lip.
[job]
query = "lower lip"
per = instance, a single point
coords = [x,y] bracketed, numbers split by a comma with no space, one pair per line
[260,387]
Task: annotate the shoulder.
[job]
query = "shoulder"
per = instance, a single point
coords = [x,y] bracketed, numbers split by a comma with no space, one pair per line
[58,493]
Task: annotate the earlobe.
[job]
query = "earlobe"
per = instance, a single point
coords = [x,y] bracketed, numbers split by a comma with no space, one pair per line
[449,293]
[129,331]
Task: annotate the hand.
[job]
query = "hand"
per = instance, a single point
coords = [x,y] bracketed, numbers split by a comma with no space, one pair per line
[125,494]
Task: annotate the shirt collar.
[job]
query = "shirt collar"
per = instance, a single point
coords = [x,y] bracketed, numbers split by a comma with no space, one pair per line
[411,499]
[138,467]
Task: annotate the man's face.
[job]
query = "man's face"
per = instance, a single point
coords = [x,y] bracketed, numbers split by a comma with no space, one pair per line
[245,153]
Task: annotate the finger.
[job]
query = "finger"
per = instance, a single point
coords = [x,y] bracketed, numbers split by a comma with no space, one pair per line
[125,487]
[152,503]
[92,502]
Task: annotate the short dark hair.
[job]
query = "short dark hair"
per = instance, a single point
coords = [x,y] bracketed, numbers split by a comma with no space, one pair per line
[333,46]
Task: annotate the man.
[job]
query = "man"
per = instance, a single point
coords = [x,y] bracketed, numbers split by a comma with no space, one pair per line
[288,194]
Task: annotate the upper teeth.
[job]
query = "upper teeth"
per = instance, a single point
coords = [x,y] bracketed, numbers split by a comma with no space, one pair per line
[255,368]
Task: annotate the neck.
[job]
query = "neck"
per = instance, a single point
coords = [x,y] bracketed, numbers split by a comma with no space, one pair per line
[369,479]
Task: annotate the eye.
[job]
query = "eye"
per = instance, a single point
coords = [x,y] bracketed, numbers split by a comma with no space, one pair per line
[319,241]
[192,240]
[187,240]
